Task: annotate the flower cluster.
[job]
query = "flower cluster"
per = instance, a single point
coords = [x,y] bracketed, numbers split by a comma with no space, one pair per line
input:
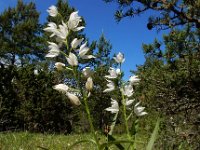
[126,89]
[78,49]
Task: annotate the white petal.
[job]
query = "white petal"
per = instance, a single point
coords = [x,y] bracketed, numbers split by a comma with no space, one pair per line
[88,57]
[76,42]
[73,99]
[59,65]
[61,88]
[72,59]
[78,28]
[129,102]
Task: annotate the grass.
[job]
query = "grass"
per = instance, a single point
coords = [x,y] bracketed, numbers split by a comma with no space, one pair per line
[33,141]
[36,141]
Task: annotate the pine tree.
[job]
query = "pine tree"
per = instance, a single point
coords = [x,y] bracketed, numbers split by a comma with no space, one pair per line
[20,35]
[172,13]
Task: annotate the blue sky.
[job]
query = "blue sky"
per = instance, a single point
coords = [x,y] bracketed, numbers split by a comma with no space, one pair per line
[126,36]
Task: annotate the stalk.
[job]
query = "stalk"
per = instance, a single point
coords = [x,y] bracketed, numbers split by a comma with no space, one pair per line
[90,122]
[125,116]
[87,109]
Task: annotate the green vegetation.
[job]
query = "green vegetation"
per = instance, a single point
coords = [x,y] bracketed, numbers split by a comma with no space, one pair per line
[32,141]
[168,83]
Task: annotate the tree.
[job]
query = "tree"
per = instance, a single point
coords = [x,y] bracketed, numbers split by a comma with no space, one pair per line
[102,63]
[170,80]
[20,35]
[20,44]
[170,74]
[172,13]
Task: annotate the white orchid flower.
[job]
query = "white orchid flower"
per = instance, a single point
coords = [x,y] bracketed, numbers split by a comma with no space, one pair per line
[114,107]
[53,11]
[113,73]
[134,80]
[54,50]
[76,42]
[52,27]
[73,21]
[119,58]
[87,72]
[128,90]
[110,85]
[129,102]
[61,88]
[138,110]
[59,66]
[72,59]
[83,50]
[63,31]
[73,99]
[89,84]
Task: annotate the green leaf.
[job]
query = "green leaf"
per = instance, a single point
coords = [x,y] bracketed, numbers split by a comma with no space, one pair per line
[116,142]
[153,135]
[111,138]
[113,124]
[134,127]
[81,141]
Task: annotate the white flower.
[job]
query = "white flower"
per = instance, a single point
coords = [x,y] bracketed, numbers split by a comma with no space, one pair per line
[35,72]
[73,21]
[63,31]
[110,85]
[89,84]
[139,110]
[59,65]
[119,58]
[129,102]
[83,50]
[113,73]
[114,107]
[72,59]
[76,42]
[87,72]
[127,90]
[134,79]
[52,27]
[54,50]
[73,99]
[52,11]
[61,88]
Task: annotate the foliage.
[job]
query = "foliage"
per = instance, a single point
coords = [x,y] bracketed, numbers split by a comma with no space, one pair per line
[170,77]
[20,35]
[27,100]
[172,13]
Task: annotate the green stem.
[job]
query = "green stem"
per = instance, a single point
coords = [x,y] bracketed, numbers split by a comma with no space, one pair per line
[124,108]
[132,145]
[76,74]
[90,122]
[136,130]
[125,117]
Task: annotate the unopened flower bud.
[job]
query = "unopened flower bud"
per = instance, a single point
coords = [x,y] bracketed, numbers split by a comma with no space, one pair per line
[59,66]
[89,84]
[73,99]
